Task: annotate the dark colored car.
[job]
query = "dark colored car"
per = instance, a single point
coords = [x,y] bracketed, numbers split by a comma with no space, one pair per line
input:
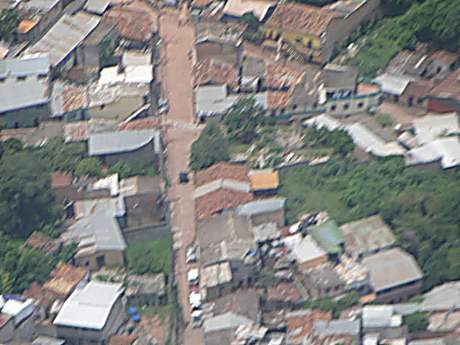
[183,177]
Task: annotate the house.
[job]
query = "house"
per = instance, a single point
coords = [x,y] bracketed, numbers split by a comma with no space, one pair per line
[443,152]
[393,86]
[329,237]
[253,71]
[323,281]
[44,340]
[331,332]
[136,24]
[24,90]
[117,100]
[217,40]
[225,237]
[97,7]
[144,200]
[65,279]
[91,314]
[367,236]
[216,280]
[377,317]
[100,241]
[299,324]
[284,295]
[215,72]
[143,146]
[235,9]
[433,126]
[16,321]
[338,81]
[220,329]
[445,97]
[69,102]
[62,53]
[394,275]
[264,211]
[220,187]
[146,290]
[264,181]
[442,298]
[212,100]
[113,207]
[307,253]
[39,15]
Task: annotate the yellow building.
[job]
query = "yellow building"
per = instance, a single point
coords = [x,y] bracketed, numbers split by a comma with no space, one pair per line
[306,28]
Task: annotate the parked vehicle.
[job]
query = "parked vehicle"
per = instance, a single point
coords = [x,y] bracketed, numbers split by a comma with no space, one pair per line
[191,255]
[193,277]
[197,318]
[183,177]
[195,300]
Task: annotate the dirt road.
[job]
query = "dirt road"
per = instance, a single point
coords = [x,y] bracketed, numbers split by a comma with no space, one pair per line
[176,75]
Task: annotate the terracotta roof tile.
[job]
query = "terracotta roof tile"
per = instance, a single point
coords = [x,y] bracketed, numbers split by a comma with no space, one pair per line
[140,124]
[279,76]
[76,131]
[41,242]
[210,71]
[278,100]
[222,170]
[445,56]
[300,324]
[132,23]
[419,88]
[65,278]
[299,18]
[264,180]
[216,201]
[284,292]
[60,179]
[74,98]
[449,87]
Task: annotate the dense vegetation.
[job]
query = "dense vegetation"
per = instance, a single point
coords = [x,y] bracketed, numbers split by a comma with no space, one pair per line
[416,322]
[335,307]
[422,206]
[9,20]
[338,139]
[432,21]
[211,147]
[150,256]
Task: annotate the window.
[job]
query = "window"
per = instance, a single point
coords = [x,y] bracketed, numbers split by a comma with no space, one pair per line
[294,106]
[21,78]
[298,40]
[309,45]
[346,106]
[360,104]
[2,80]
[333,107]
[41,76]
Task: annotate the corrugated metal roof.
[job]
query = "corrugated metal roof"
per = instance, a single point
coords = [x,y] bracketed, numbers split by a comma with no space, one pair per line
[73,28]
[41,5]
[121,141]
[392,84]
[221,183]
[212,99]
[329,236]
[90,306]
[225,322]
[446,149]
[103,230]
[18,94]
[97,6]
[307,250]
[337,327]
[261,206]
[431,127]
[392,268]
[441,298]
[25,66]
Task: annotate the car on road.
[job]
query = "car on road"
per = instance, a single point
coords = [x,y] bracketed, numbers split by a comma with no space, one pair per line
[183,177]
[195,300]
[197,318]
[193,277]
[191,256]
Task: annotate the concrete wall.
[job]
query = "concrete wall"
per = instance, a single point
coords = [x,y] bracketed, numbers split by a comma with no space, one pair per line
[112,258]
[144,155]
[399,294]
[222,51]
[146,233]
[118,110]
[269,217]
[25,117]
[352,105]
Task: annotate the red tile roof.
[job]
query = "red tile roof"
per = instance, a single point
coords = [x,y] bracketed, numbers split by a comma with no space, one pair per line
[64,279]
[60,179]
[210,71]
[304,19]
[278,76]
[300,324]
[74,98]
[445,56]
[140,124]
[41,242]
[214,202]
[278,100]
[449,87]
[222,170]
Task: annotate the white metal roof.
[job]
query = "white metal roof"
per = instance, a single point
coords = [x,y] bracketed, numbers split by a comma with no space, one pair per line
[380,316]
[392,84]
[222,183]
[121,141]
[110,182]
[237,8]
[73,28]
[97,6]
[24,66]
[90,306]
[261,206]
[18,94]
[213,99]
[307,250]
[323,120]
[430,127]
[225,321]
[446,149]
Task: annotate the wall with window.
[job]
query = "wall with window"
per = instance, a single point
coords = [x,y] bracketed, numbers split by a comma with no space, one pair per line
[352,105]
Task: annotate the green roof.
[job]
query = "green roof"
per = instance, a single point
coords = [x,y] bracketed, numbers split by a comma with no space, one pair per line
[329,236]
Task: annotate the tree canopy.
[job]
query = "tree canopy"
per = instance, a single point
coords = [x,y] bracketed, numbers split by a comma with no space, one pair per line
[9,20]
[338,139]
[211,147]
[26,198]
[241,120]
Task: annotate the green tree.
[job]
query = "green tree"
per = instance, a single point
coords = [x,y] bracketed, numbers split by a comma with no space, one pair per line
[61,156]
[210,148]
[416,322]
[89,166]
[241,120]
[9,20]
[5,282]
[26,199]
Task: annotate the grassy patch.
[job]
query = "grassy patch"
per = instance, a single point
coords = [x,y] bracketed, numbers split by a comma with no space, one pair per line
[384,119]
[302,198]
[310,152]
[162,311]
[150,256]
[236,148]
